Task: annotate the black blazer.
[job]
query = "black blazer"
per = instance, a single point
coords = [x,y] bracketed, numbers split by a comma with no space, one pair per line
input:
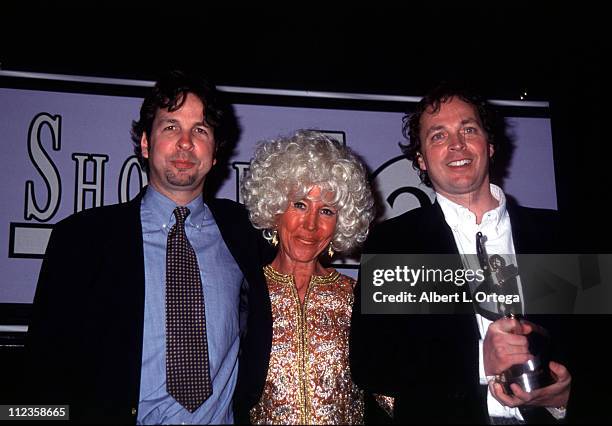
[430,362]
[84,343]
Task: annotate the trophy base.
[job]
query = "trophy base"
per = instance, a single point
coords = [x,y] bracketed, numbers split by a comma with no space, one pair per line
[527,380]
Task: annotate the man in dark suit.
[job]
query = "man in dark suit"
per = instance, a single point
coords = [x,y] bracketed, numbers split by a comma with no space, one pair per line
[99,338]
[441,368]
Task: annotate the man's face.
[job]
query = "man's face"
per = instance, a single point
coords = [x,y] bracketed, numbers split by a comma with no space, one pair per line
[454,150]
[181,150]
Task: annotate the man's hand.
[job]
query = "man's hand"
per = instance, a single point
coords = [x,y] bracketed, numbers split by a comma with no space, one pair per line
[555,395]
[505,345]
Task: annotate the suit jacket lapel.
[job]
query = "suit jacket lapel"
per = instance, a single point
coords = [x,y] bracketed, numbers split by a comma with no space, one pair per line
[442,239]
[230,232]
[129,247]
[520,235]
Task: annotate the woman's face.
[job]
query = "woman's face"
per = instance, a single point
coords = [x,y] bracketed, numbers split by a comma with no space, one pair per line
[306,227]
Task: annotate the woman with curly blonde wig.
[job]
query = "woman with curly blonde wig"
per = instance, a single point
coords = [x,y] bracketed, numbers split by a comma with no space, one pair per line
[310,196]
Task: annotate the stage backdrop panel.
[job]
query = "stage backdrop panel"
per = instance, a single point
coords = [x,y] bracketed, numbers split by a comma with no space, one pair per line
[64,152]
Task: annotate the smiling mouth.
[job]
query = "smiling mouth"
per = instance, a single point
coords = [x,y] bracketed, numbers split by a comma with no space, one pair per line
[307,242]
[459,163]
[183,165]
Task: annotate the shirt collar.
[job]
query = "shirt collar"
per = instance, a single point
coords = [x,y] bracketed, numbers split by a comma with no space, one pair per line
[161,210]
[455,214]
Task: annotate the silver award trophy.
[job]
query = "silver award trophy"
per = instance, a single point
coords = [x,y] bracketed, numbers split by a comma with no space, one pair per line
[502,280]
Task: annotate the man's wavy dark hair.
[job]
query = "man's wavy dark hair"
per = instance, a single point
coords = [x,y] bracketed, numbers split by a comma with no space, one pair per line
[411,123]
[170,92]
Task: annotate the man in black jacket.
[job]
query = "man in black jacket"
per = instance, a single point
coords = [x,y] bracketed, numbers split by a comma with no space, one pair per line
[441,368]
[100,338]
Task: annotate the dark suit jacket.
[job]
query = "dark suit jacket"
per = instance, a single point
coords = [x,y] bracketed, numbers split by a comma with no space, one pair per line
[84,345]
[430,362]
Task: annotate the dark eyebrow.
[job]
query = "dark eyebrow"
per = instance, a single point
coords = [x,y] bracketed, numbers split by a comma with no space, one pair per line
[434,129]
[470,121]
[167,120]
[175,121]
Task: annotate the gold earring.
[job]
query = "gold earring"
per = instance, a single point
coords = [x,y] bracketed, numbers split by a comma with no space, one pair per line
[271,236]
[330,250]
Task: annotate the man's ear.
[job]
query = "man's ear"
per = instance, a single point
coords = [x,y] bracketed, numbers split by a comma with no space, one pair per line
[491,150]
[215,152]
[421,161]
[144,145]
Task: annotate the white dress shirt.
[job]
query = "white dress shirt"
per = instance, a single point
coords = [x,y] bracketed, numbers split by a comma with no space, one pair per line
[495,225]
